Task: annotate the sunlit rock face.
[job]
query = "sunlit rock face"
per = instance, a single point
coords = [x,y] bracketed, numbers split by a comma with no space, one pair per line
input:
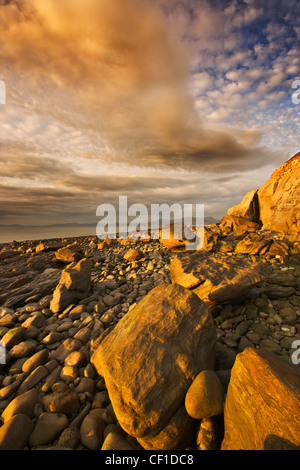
[276,203]
[262,406]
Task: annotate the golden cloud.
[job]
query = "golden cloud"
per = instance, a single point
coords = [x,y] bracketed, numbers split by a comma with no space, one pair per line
[113,69]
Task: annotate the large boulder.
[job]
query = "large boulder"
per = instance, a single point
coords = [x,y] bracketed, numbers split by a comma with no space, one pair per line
[276,204]
[248,208]
[74,285]
[150,359]
[262,408]
[215,277]
[279,198]
[238,224]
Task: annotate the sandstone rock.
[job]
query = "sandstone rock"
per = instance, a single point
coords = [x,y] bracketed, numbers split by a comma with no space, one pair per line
[281,248]
[238,224]
[47,428]
[22,404]
[177,237]
[133,255]
[177,433]
[215,277]
[151,357]
[70,438]
[106,243]
[205,397]
[42,282]
[53,337]
[248,208]
[13,337]
[91,431]
[44,246]
[33,379]
[114,441]
[74,285]
[209,435]
[62,352]
[69,254]
[263,400]
[210,239]
[35,319]
[8,320]
[253,244]
[278,200]
[62,401]
[75,358]
[8,390]
[15,432]
[23,349]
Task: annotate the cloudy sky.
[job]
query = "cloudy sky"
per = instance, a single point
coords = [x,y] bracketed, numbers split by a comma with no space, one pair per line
[164,101]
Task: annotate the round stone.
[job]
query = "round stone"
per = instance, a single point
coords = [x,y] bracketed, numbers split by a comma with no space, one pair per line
[205,397]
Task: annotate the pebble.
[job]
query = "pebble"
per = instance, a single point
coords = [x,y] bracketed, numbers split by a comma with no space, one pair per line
[114,441]
[70,438]
[23,349]
[15,432]
[47,428]
[35,360]
[91,431]
[22,404]
[205,397]
[62,401]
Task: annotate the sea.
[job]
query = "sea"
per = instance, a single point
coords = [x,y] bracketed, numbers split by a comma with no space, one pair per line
[22,233]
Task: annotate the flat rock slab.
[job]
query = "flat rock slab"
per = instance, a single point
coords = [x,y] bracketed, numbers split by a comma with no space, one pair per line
[215,277]
[150,359]
[262,408]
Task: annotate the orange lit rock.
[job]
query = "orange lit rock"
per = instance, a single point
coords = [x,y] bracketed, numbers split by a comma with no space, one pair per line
[276,204]
[215,277]
[150,359]
[262,408]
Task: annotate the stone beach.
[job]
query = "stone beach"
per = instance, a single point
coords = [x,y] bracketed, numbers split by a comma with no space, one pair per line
[132,344]
[51,394]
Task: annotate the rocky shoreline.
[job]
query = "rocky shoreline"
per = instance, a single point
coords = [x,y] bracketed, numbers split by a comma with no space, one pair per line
[55,313]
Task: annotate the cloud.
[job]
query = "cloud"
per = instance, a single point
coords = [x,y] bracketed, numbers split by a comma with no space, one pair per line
[158,100]
[122,78]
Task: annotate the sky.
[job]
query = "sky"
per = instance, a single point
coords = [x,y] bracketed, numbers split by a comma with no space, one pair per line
[162,101]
